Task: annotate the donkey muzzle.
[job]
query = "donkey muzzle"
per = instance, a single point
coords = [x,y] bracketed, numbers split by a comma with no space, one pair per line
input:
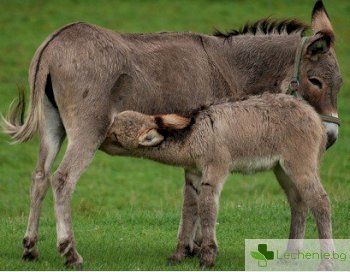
[332,124]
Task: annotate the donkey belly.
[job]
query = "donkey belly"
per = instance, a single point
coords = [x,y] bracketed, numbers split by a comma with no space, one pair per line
[255,164]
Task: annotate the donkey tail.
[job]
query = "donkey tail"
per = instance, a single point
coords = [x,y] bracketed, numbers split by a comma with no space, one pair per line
[13,124]
[21,131]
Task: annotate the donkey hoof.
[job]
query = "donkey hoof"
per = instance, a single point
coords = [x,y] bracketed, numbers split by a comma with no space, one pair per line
[30,256]
[74,260]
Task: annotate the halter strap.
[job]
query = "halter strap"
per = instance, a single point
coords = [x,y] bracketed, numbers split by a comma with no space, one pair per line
[330,119]
[294,82]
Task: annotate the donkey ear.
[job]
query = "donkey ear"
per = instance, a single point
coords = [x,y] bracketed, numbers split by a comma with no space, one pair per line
[320,19]
[150,138]
[319,44]
[172,121]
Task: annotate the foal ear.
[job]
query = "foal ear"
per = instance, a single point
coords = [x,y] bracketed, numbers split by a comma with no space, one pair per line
[319,44]
[320,19]
[172,121]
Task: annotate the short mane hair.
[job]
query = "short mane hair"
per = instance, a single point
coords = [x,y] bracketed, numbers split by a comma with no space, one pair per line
[267,26]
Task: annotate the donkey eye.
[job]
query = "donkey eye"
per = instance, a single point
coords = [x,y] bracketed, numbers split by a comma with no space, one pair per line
[316,82]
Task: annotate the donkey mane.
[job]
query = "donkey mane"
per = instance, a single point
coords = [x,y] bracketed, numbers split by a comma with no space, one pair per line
[267,26]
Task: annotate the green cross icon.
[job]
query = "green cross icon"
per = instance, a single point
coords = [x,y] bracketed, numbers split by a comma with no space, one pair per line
[262,255]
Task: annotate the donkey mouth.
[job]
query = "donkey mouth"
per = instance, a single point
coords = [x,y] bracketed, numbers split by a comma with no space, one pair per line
[332,133]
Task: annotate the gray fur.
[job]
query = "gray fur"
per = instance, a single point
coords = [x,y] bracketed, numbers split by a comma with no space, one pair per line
[262,133]
[96,73]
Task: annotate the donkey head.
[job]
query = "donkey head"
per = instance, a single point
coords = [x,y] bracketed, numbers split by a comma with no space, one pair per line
[133,129]
[320,78]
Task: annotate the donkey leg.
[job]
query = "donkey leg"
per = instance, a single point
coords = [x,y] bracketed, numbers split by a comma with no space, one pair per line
[208,204]
[78,156]
[299,210]
[189,219]
[52,134]
[313,194]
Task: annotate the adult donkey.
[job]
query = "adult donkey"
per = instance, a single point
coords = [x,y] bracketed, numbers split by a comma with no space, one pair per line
[82,74]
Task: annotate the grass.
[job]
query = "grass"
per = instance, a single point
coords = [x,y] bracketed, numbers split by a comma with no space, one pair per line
[126,211]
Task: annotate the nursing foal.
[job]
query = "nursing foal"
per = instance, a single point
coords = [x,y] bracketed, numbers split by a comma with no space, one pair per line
[271,131]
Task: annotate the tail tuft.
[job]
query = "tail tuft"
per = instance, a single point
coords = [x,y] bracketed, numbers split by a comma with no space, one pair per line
[13,124]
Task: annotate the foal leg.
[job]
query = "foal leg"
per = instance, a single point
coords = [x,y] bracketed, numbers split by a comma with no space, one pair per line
[51,134]
[208,204]
[299,209]
[189,220]
[313,194]
[319,204]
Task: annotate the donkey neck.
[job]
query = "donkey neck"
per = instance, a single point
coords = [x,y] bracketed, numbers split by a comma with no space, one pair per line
[260,63]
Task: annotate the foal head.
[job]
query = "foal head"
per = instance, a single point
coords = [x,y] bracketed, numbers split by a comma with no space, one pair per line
[132,129]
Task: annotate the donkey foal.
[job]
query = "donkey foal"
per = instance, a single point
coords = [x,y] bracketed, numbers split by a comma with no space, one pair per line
[265,132]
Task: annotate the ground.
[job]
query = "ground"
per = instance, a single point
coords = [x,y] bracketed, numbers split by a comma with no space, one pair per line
[126,211]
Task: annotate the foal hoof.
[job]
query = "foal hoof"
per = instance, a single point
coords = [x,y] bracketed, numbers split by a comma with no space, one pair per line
[30,256]
[207,256]
[194,252]
[205,268]
[326,265]
[183,252]
[175,259]
[206,264]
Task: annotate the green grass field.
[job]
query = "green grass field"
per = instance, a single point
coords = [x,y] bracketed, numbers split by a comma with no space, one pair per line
[126,211]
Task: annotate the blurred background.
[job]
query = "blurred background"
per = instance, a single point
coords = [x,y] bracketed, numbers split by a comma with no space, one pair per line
[126,211]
